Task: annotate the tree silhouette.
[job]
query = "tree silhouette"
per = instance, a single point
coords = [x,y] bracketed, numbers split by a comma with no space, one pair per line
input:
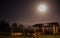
[21,28]
[4,27]
[29,31]
[14,27]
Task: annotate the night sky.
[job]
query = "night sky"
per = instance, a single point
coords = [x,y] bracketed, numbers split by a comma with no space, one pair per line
[26,12]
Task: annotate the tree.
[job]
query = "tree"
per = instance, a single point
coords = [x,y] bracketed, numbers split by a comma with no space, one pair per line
[29,31]
[21,28]
[4,27]
[14,27]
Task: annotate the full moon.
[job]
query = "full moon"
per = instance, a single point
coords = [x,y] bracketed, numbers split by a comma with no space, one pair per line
[42,8]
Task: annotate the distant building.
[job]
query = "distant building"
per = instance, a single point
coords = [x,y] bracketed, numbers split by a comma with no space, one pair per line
[17,30]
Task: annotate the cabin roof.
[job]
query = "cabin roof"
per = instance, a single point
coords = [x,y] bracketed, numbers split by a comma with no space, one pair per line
[46,24]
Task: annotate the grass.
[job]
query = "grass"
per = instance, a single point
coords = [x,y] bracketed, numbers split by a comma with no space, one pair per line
[49,36]
[41,36]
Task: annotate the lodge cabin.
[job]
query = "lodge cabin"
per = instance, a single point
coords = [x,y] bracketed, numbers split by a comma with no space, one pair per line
[47,27]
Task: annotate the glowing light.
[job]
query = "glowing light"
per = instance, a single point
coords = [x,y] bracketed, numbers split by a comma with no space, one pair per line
[42,8]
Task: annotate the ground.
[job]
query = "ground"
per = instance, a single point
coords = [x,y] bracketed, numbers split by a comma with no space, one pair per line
[41,36]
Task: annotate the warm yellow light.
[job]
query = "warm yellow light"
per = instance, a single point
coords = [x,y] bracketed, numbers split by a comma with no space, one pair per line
[42,8]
